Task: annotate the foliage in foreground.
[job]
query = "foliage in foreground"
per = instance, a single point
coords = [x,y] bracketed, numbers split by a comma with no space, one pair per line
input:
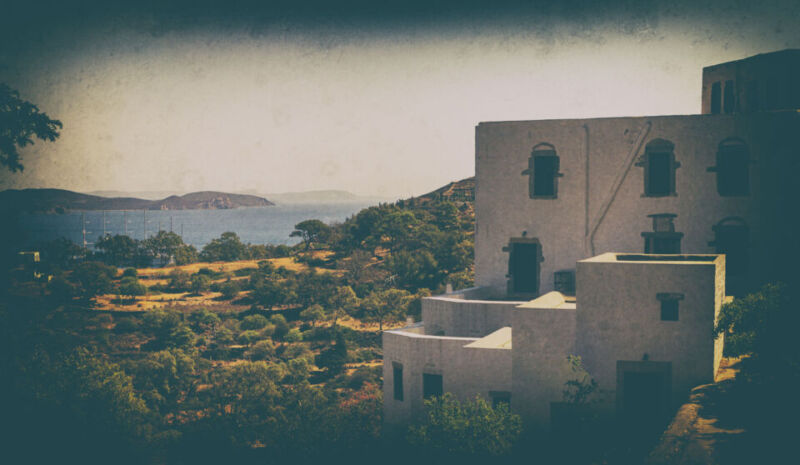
[471,427]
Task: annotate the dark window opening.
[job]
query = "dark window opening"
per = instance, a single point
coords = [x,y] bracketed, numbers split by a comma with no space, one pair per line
[500,398]
[729,105]
[542,172]
[669,305]
[663,239]
[523,266]
[669,310]
[431,385]
[716,95]
[397,378]
[733,168]
[732,237]
[564,281]
[659,168]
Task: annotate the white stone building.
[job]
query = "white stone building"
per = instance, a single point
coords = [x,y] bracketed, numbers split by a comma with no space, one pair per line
[690,202]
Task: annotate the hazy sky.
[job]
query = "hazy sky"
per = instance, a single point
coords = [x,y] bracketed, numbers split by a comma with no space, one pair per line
[372,97]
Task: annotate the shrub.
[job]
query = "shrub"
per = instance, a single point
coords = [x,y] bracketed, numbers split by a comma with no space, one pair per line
[281,326]
[229,290]
[129,273]
[127,325]
[470,428]
[202,320]
[293,335]
[248,337]
[254,322]
[261,350]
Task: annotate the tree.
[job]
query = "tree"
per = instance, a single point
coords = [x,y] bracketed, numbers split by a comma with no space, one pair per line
[398,227]
[130,286]
[185,254]
[179,281]
[254,322]
[117,250]
[20,121]
[580,389]
[342,302]
[270,293]
[386,305]
[93,278]
[311,231]
[200,283]
[229,290]
[226,248]
[469,428]
[762,325]
[313,314]
[163,245]
[414,270]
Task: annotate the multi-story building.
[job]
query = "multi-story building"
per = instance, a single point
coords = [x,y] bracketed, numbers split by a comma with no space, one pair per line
[670,194]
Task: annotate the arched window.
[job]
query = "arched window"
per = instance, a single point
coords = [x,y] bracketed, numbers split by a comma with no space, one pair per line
[733,168]
[542,172]
[659,166]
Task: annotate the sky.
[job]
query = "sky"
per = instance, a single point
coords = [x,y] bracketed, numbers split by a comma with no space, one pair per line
[376,98]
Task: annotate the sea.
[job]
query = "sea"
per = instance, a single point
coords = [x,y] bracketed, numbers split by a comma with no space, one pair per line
[255,225]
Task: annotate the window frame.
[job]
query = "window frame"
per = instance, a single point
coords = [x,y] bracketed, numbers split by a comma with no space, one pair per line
[542,150]
[718,168]
[659,146]
[670,299]
[397,382]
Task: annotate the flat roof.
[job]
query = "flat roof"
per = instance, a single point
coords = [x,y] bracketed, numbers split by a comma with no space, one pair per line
[552,299]
[500,339]
[612,257]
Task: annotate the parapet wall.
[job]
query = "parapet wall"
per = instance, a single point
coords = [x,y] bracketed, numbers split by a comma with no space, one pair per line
[454,315]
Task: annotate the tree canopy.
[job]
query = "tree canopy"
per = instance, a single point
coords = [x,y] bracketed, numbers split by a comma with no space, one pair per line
[20,122]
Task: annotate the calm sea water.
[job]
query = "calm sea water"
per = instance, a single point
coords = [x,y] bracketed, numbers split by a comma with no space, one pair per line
[256,225]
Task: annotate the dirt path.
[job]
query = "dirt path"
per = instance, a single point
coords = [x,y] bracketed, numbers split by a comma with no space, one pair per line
[696,435]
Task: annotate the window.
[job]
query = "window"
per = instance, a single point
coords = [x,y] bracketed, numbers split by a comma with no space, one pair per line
[729,105]
[564,281]
[659,166]
[431,385]
[542,172]
[716,97]
[663,239]
[733,168]
[500,397]
[397,379]
[669,305]
[732,238]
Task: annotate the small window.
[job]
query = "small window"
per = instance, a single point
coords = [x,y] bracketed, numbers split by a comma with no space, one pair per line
[659,166]
[542,172]
[733,168]
[716,98]
[397,379]
[729,105]
[500,398]
[669,305]
[431,385]
[564,281]
[663,239]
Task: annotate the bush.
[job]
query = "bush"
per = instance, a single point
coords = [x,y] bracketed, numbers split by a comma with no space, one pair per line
[470,428]
[293,335]
[254,322]
[281,326]
[203,320]
[248,337]
[261,350]
[129,273]
[127,325]
[229,290]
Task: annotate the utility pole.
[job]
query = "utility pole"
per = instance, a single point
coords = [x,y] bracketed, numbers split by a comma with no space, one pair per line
[83,228]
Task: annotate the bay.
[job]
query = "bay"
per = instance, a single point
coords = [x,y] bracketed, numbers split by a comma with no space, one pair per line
[256,225]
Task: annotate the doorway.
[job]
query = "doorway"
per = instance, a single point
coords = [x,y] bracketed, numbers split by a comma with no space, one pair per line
[523,266]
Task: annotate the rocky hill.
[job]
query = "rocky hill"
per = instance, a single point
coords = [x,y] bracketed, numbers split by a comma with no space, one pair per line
[59,200]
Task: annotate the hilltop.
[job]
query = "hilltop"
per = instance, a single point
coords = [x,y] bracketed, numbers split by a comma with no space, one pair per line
[60,200]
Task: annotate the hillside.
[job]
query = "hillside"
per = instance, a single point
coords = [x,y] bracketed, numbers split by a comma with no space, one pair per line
[456,191]
[60,200]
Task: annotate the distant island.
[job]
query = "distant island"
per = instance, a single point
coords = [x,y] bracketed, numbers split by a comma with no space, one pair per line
[61,200]
[323,196]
